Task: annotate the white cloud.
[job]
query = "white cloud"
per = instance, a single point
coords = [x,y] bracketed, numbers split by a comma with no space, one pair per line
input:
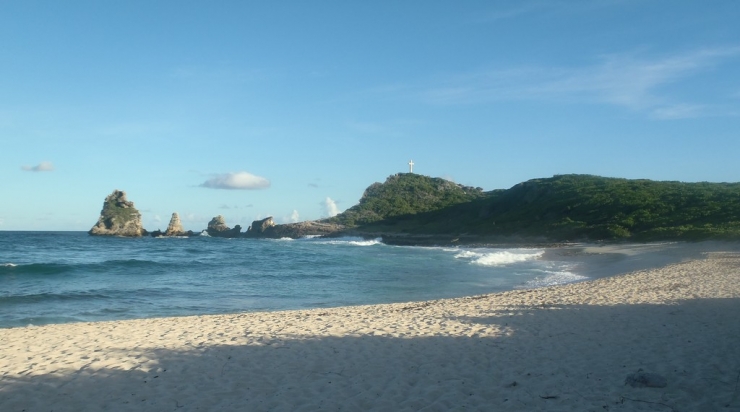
[330,207]
[678,111]
[41,167]
[627,80]
[236,181]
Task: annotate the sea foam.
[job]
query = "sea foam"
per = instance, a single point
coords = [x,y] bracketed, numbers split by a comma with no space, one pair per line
[354,241]
[552,279]
[500,257]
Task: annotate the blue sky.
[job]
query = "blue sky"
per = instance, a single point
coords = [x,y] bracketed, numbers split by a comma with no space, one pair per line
[291,109]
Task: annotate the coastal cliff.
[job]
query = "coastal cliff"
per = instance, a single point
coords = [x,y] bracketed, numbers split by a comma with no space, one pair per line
[119,217]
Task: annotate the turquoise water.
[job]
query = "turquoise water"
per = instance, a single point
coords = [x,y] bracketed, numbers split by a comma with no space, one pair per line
[58,277]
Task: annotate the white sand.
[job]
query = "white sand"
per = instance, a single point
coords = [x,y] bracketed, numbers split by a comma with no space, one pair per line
[565,348]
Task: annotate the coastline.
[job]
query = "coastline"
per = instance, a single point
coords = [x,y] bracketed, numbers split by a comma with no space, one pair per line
[566,347]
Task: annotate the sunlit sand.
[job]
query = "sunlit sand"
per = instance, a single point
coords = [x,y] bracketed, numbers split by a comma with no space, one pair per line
[568,348]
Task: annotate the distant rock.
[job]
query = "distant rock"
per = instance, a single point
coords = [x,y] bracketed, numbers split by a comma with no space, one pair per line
[175,227]
[119,217]
[217,228]
[259,226]
[295,230]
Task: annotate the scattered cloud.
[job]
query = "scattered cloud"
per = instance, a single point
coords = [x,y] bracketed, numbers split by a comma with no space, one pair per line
[224,206]
[236,181]
[627,80]
[330,207]
[41,167]
[2,221]
[314,185]
[679,111]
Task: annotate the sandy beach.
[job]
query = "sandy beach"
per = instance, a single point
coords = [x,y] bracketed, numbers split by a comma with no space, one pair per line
[565,348]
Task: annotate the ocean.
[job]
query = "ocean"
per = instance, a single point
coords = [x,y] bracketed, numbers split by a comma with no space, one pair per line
[59,277]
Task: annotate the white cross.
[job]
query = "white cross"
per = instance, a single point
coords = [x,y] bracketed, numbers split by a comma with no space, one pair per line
[411,166]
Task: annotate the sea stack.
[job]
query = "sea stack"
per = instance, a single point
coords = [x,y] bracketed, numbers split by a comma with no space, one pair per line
[259,226]
[175,227]
[217,228]
[119,217]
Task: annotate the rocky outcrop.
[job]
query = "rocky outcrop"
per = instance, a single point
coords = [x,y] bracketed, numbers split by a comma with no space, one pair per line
[298,230]
[175,227]
[217,228]
[119,217]
[259,226]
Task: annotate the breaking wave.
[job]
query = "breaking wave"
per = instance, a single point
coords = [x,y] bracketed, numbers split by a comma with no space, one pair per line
[499,257]
[354,241]
[552,279]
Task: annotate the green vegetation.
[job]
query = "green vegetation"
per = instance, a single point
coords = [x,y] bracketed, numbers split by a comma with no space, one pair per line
[117,211]
[564,207]
[405,194]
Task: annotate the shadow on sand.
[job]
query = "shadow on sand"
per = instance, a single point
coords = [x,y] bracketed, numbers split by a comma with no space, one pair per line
[556,358]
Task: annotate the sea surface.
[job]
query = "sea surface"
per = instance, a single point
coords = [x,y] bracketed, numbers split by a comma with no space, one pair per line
[59,277]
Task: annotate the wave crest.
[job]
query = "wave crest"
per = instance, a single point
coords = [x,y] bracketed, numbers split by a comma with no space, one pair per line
[552,279]
[500,257]
[354,241]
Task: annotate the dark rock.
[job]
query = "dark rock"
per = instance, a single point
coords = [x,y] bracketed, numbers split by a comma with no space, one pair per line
[259,226]
[119,217]
[217,228]
[645,380]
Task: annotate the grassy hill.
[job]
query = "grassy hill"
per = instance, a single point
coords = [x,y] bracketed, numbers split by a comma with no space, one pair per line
[563,207]
[405,194]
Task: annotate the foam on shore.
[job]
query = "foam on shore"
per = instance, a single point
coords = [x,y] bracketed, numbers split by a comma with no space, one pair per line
[566,348]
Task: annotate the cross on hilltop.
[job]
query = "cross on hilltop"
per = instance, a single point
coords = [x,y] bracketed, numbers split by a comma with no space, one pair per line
[411,166]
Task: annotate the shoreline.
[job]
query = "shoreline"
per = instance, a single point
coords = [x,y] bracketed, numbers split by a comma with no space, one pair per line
[567,347]
[560,265]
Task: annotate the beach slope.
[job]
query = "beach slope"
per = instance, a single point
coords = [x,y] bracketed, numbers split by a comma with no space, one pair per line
[566,348]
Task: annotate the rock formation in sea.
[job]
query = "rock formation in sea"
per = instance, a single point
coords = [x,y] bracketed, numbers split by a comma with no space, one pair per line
[259,226]
[175,227]
[119,217]
[268,228]
[217,228]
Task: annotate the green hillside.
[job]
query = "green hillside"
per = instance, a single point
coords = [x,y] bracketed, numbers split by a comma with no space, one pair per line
[564,207]
[405,194]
